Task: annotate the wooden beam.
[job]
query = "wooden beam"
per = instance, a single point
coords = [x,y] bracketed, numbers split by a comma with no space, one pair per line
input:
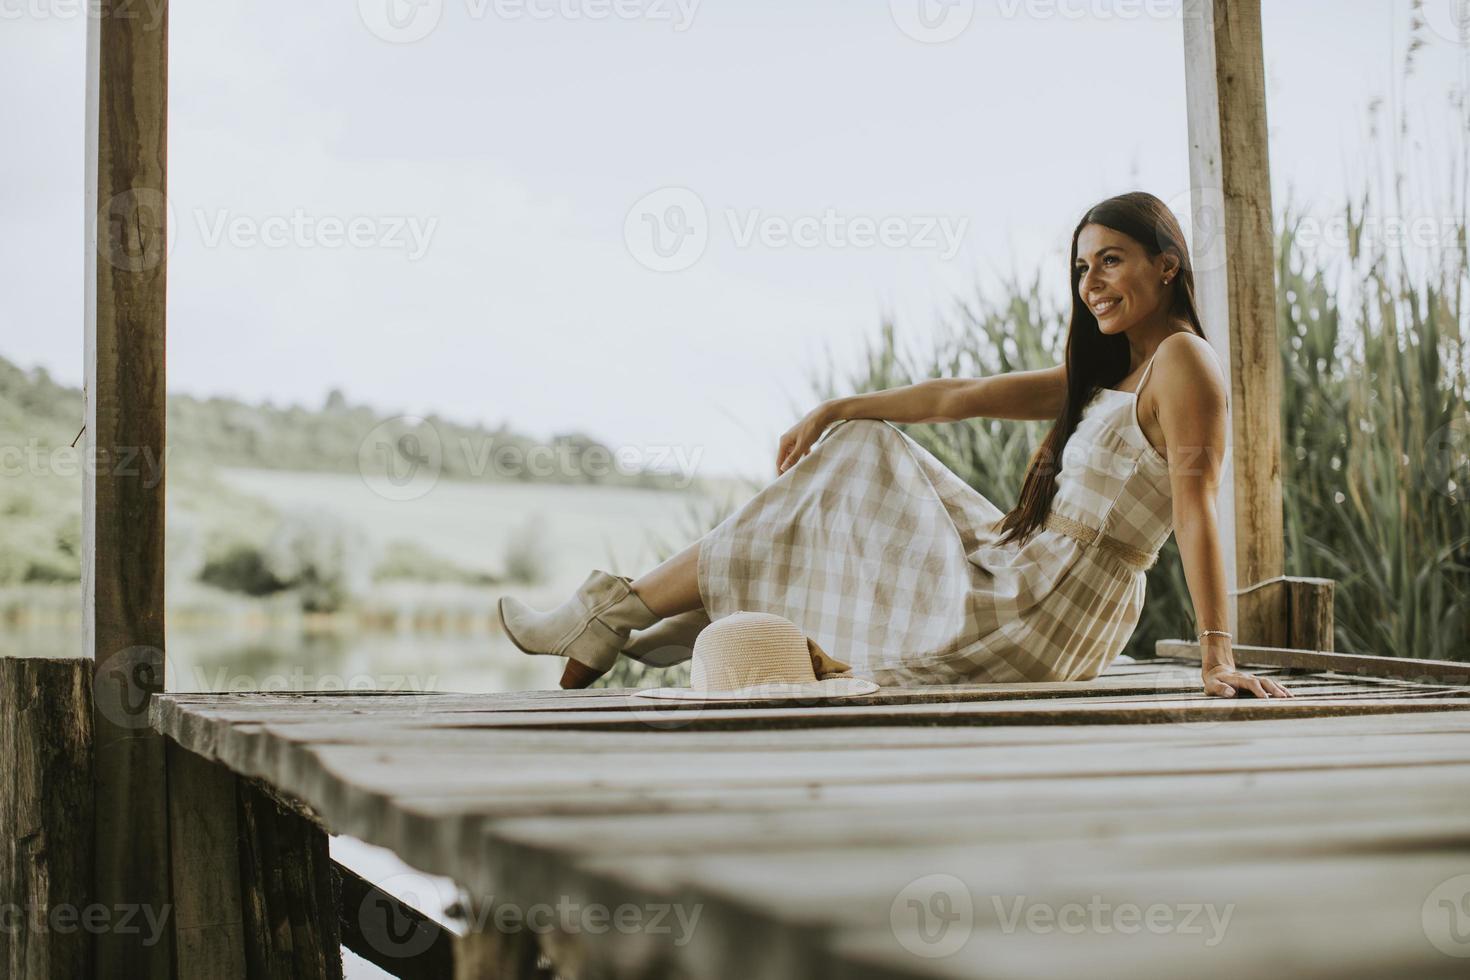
[1293,612]
[1230,179]
[45,816]
[1402,668]
[123,491]
[288,893]
[388,933]
[208,922]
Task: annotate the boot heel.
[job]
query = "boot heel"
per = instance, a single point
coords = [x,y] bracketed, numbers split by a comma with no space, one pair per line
[578,675]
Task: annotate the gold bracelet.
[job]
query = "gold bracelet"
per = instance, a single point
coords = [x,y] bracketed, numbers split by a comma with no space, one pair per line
[1205,633]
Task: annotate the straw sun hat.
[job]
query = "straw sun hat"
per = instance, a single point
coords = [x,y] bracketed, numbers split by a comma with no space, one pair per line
[761,656]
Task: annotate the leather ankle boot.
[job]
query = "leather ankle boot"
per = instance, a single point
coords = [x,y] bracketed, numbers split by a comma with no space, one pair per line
[589,629]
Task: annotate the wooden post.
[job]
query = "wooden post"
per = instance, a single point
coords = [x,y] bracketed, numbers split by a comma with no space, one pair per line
[46,818]
[1306,622]
[123,492]
[288,894]
[1225,81]
[209,930]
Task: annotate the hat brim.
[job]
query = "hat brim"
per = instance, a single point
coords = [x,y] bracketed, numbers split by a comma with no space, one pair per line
[832,687]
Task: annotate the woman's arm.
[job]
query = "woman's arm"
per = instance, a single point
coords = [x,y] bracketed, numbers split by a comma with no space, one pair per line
[1190,408]
[1014,395]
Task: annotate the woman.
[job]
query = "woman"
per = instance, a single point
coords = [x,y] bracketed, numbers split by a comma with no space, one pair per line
[894,564]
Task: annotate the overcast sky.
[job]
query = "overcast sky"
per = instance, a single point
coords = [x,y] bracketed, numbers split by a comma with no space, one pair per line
[446,207]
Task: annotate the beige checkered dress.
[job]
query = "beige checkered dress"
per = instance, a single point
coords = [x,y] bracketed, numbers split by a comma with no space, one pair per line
[890,561]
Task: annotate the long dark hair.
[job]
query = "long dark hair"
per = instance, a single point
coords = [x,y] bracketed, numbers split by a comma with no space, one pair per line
[1094,359]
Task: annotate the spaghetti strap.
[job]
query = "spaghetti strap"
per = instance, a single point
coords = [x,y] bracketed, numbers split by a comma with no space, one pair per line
[1143,378]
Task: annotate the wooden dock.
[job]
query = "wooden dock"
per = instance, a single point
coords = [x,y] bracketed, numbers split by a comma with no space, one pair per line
[1127,826]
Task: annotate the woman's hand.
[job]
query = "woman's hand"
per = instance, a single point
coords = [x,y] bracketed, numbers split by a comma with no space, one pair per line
[1224,680]
[798,440]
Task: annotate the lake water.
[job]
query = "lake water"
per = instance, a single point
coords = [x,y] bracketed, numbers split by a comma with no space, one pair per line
[442,637]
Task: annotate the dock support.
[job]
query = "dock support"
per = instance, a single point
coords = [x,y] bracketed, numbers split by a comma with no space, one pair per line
[1291,611]
[1235,278]
[46,817]
[125,288]
[253,881]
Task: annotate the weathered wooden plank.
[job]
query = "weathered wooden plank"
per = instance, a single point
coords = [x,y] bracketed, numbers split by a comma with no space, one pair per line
[45,816]
[288,894]
[389,934]
[208,921]
[1307,623]
[123,489]
[1406,668]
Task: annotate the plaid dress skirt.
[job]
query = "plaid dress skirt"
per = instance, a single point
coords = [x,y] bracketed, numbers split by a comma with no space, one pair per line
[891,562]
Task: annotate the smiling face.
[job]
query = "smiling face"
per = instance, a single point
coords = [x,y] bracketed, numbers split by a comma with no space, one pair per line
[1119,281]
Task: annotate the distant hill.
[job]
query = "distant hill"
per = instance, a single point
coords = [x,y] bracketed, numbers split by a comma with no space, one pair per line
[35,410]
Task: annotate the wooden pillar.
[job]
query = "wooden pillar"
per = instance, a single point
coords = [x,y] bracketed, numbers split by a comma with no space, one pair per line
[46,818]
[1230,180]
[209,929]
[288,893]
[123,491]
[255,894]
[1306,622]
